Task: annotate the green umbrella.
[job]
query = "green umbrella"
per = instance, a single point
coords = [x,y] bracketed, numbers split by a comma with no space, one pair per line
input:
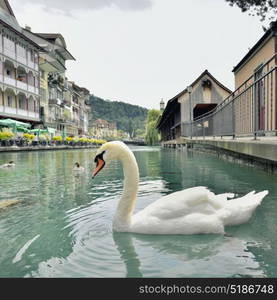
[22,129]
[13,123]
[38,130]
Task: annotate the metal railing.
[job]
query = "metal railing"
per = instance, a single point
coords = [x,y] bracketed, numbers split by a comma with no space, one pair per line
[250,110]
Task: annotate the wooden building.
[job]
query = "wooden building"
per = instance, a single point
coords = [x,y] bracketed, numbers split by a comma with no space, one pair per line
[201,97]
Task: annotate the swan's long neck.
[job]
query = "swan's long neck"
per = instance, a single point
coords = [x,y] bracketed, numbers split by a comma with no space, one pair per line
[122,218]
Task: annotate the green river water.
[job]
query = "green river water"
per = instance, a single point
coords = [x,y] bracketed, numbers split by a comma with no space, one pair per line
[62,226]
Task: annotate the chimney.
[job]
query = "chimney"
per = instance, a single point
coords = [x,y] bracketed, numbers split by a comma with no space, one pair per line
[27,27]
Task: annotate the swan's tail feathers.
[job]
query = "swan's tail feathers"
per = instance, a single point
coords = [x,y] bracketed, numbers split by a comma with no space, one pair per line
[260,196]
[240,210]
[251,199]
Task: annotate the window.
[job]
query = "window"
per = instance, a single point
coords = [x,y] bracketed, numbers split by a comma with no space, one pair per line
[43,94]
[21,51]
[32,56]
[31,105]
[8,43]
[59,95]
[10,101]
[36,58]
[22,103]
[52,93]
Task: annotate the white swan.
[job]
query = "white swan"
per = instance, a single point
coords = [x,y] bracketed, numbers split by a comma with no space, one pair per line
[190,211]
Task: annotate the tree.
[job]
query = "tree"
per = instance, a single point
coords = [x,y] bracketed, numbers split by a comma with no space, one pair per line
[128,117]
[152,136]
[262,8]
[153,115]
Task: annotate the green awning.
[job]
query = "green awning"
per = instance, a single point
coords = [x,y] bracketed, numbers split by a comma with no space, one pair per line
[12,123]
[38,130]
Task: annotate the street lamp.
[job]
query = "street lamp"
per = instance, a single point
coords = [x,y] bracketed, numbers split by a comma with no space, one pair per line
[189,89]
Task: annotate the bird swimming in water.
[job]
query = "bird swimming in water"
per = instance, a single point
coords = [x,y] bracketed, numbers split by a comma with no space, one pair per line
[78,167]
[193,210]
[8,165]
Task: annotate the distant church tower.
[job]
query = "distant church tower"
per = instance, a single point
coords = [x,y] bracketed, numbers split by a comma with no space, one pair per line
[162,105]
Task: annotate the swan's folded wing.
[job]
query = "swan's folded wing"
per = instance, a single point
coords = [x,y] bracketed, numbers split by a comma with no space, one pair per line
[181,203]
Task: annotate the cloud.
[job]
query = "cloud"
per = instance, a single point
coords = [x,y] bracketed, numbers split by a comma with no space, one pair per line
[67,6]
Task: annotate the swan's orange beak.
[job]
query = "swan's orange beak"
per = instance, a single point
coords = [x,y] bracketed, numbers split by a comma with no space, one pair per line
[100,163]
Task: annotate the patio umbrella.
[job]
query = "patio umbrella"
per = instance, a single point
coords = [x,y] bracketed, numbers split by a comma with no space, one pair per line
[38,130]
[14,124]
[22,129]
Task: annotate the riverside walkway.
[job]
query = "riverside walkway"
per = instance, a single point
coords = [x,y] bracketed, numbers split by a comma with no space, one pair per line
[261,151]
[38,148]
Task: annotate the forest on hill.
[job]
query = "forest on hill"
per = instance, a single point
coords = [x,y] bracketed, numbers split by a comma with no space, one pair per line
[128,117]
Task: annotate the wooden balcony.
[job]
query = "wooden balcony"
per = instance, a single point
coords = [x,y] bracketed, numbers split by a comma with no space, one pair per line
[55,102]
[19,84]
[7,111]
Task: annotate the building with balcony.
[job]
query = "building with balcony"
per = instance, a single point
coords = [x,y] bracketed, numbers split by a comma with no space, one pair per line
[80,108]
[19,70]
[55,110]
[85,110]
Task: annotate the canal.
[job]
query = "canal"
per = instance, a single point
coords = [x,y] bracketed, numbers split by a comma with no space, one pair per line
[62,226]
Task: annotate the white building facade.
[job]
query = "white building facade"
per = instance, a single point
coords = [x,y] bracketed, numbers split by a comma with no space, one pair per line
[19,70]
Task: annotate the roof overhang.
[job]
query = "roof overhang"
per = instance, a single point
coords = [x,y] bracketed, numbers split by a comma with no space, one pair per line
[23,36]
[266,37]
[169,109]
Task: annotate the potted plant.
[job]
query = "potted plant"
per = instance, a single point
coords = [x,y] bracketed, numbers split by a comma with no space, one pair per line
[28,138]
[68,140]
[57,139]
[43,139]
[75,140]
[5,137]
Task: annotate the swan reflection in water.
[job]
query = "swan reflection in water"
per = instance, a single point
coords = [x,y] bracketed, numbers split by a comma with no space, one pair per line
[137,255]
[195,256]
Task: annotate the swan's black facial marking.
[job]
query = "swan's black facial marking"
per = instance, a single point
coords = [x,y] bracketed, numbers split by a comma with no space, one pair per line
[99,156]
[100,163]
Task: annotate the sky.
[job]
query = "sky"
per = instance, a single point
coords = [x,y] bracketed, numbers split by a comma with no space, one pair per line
[142,51]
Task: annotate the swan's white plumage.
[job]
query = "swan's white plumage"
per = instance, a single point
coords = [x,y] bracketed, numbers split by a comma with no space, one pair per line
[190,211]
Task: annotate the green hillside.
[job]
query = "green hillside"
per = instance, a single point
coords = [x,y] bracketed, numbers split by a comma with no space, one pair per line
[129,118]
